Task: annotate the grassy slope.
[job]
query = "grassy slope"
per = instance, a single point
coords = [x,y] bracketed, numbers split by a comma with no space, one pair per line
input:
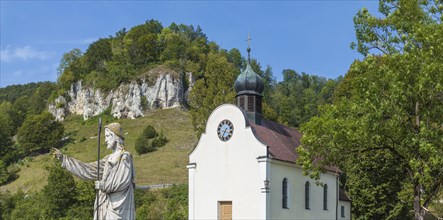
[166,165]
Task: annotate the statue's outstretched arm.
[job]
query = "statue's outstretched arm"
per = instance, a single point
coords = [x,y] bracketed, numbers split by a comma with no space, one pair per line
[87,171]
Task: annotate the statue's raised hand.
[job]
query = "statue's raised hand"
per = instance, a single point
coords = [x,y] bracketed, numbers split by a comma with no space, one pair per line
[57,153]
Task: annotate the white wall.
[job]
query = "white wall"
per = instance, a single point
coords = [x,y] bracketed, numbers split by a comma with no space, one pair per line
[296,193]
[347,206]
[227,171]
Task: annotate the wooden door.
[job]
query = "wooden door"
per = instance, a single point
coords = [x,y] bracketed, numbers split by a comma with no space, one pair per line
[225,209]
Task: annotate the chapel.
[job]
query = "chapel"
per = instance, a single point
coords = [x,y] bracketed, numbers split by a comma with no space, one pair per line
[243,166]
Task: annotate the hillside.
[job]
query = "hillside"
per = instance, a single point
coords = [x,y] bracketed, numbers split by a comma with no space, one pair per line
[166,165]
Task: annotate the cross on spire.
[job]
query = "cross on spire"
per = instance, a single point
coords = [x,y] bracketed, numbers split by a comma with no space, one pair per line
[249,46]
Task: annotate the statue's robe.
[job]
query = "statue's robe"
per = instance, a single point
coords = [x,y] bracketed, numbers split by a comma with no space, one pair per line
[116,199]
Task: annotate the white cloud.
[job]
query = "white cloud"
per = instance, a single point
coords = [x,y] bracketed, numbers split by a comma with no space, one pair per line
[25,53]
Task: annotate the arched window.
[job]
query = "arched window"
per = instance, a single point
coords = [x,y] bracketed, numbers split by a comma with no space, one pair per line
[307,186]
[325,197]
[285,193]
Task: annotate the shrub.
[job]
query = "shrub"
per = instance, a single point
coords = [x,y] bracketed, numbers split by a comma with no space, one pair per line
[159,141]
[144,102]
[149,132]
[149,140]
[142,145]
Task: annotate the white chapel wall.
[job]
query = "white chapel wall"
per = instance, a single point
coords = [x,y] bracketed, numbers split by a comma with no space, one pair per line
[296,194]
[227,171]
[347,210]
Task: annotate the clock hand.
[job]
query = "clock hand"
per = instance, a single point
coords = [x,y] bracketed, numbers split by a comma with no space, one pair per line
[224,132]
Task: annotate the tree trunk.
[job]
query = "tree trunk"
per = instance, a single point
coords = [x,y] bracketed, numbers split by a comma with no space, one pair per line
[417,207]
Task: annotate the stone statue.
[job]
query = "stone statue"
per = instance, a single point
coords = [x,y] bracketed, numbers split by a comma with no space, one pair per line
[116,184]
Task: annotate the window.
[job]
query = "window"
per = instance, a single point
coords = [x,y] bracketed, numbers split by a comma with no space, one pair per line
[343,211]
[285,193]
[325,197]
[307,185]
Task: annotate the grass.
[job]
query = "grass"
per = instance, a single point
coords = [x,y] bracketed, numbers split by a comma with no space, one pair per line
[166,165]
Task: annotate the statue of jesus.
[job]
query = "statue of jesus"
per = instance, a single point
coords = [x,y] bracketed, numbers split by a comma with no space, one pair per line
[116,180]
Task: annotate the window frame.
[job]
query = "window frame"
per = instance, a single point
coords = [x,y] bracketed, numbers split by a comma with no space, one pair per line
[285,193]
[307,195]
[325,197]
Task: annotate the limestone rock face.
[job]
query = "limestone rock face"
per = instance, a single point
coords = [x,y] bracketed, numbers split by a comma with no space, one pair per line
[164,90]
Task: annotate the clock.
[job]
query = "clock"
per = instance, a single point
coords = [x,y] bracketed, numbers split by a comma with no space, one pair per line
[225,130]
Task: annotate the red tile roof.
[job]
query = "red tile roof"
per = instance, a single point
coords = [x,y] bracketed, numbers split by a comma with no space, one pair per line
[281,140]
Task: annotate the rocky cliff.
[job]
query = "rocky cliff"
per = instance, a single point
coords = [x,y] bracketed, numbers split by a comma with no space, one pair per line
[159,88]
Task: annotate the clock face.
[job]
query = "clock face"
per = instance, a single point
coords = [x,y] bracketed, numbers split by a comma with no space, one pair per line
[225,130]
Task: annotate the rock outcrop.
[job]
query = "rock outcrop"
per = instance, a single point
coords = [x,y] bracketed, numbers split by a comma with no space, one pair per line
[159,89]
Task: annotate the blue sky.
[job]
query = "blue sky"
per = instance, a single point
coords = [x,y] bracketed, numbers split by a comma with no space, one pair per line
[307,36]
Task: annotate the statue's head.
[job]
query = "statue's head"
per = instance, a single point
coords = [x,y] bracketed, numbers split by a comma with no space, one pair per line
[114,135]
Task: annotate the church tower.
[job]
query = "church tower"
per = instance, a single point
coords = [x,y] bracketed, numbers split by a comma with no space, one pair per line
[249,87]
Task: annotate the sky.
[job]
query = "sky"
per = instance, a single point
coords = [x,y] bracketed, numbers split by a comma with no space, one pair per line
[307,36]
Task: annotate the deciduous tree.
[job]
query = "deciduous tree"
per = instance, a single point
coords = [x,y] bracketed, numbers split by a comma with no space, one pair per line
[214,89]
[390,103]
[39,133]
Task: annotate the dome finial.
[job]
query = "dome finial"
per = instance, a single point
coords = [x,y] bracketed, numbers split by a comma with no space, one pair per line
[249,46]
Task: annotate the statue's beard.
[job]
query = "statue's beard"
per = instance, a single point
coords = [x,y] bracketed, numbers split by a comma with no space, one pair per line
[112,145]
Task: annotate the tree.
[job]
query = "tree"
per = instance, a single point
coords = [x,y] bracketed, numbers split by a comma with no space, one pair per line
[8,202]
[83,208]
[214,89]
[60,192]
[97,54]
[4,174]
[39,100]
[391,102]
[39,133]
[297,97]
[6,127]
[31,206]
[68,59]
[141,43]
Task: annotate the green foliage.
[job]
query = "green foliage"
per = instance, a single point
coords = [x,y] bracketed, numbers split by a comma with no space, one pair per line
[60,191]
[6,131]
[144,102]
[39,133]
[296,99]
[159,141]
[39,100]
[437,205]
[4,174]
[169,203]
[21,107]
[111,61]
[149,140]
[67,60]
[106,117]
[25,99]
[388,108]
[7,174]
[13,92]
[32,206]
[214,89]
[142,44]
[61,198]
[8,202]
[149,132]
[83,208]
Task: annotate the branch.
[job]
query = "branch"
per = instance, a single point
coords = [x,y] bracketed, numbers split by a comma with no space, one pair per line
[434,189]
